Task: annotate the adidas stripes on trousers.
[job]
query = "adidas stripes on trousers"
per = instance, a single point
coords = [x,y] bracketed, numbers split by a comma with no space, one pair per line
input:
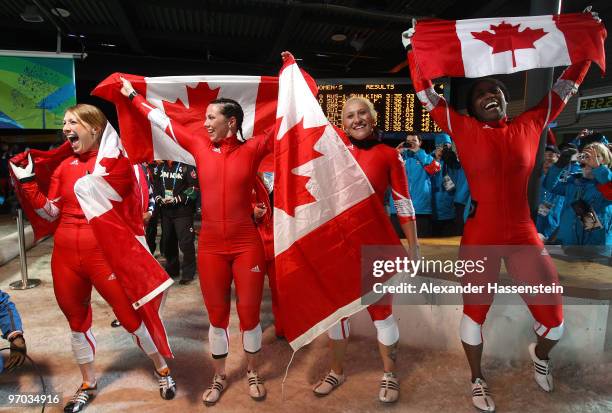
[247,269]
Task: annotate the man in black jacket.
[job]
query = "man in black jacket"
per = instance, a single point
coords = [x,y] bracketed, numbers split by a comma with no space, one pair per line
[175,194]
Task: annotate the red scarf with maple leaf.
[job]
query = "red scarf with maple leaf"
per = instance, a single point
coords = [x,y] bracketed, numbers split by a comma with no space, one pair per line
[483,47]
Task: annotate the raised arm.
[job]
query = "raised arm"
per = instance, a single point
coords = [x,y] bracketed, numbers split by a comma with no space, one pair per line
[555,100]
[441,112]
[430,165]
[171,127]
[47,206]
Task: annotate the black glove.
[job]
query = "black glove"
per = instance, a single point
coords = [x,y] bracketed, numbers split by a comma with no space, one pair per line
[159,200]
[450,158]
[566,157]
[18,353]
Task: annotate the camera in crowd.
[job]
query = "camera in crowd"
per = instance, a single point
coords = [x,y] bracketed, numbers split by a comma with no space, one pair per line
[579,157]
[584,211]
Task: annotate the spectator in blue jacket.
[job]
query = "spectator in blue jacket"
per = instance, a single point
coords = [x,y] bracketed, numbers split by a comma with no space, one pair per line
[550,206]
[586,217]
[10,325]
[443,187]
[419,167]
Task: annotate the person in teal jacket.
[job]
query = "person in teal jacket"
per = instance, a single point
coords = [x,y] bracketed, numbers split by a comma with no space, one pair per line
[586,217]
[419,167]
[550,206]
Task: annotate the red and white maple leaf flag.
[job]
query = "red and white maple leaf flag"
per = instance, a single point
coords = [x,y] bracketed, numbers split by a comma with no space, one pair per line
[110,200]
[325,211]
[483,47]
[184,99]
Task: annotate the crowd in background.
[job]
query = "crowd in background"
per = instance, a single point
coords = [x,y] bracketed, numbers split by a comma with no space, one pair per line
[572,210]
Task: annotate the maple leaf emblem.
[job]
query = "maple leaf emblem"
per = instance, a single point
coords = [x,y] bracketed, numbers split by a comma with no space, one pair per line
[506,37]
[193,117]
[295,149]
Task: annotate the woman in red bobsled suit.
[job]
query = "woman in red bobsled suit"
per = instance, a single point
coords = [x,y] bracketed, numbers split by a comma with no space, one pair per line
[385,170]
[500,225]
[77,263]
[229,246]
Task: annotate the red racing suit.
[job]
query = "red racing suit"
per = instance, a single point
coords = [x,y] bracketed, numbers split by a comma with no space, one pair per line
[77,262]
[385,170]
[229,246]
[498,159]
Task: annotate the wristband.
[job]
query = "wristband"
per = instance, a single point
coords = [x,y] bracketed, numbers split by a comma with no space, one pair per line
[14,336]
[132,95]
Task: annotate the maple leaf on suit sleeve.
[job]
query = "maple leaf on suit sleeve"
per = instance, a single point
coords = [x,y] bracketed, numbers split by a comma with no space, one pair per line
[192,117]
[296,148]
[506,37]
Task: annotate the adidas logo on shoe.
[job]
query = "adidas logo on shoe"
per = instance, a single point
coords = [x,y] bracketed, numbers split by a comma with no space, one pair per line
[255,269]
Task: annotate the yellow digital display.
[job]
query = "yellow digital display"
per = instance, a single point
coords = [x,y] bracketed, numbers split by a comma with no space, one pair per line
[599,103]
[398,107]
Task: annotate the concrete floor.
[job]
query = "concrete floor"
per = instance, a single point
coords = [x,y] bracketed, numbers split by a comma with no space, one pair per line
[430,380]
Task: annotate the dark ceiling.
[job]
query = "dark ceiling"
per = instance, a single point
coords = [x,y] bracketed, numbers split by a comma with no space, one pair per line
[157,37]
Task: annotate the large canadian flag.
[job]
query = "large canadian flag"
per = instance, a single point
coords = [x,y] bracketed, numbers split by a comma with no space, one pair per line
[111,201]
[325,211]
[482,47]
[184,99]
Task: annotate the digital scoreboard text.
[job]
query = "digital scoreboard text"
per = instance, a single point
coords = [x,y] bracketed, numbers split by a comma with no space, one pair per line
[398,107]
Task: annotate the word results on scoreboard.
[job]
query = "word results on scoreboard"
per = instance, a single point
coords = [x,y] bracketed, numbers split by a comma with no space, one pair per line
[398,107]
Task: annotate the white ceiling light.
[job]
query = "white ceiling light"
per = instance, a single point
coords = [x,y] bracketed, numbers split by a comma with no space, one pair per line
[60,12]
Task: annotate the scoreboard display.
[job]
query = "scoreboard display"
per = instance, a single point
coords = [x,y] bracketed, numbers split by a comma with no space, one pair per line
[596,103]
[398,107]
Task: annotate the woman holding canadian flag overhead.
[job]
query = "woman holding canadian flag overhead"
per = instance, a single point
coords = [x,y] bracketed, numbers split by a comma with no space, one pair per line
[500,225]
[229,246]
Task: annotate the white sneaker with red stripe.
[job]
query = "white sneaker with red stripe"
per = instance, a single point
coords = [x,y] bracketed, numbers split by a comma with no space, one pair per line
[541,370]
